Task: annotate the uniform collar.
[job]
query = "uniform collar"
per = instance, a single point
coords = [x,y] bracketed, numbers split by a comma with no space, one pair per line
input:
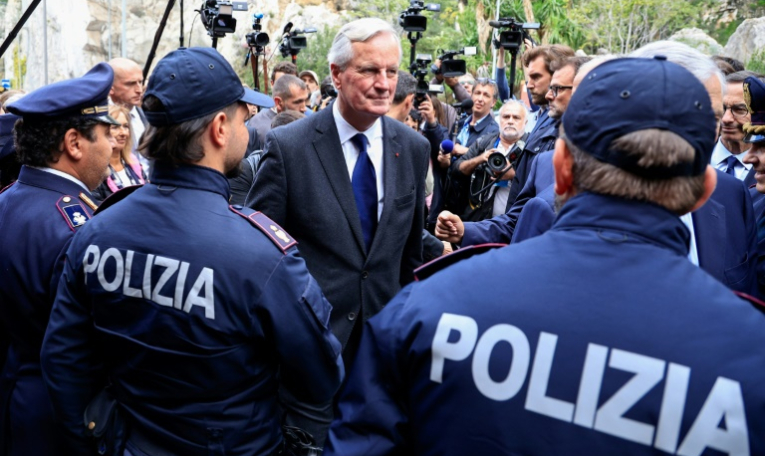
[52,180]
[190,176]
[634,219]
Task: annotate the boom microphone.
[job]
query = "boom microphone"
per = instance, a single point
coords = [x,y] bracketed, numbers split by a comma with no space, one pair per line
[465,105]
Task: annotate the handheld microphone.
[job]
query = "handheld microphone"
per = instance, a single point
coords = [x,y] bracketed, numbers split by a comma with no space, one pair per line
[447,146]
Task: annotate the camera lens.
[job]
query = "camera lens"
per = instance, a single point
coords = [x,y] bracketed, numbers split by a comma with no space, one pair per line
[496,162]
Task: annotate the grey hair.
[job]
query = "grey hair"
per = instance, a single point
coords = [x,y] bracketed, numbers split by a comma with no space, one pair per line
[512,102]
[699,64]
[359,31]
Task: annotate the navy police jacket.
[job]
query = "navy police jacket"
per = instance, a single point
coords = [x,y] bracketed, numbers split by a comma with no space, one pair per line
[39,215]
[195,324]
[610,343]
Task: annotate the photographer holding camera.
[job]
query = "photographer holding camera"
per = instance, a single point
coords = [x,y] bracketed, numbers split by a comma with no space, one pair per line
[490,164]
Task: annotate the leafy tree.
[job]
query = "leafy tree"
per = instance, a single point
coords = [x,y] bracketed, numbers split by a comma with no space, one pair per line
[621,26]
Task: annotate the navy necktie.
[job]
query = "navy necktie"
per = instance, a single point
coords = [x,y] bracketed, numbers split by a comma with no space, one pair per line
[364,184]
[731,169]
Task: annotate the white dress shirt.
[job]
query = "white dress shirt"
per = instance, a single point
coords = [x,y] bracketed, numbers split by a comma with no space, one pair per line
[374,136]
[693,253]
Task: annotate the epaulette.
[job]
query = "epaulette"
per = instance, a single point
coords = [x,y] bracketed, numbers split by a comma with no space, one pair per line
[756,302]
[443,262]
[73,212]
[116,197]
[259,220]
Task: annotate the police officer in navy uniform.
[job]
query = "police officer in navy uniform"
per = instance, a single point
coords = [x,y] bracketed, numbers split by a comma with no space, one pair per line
[199,324]
[621,346]
[63,144]
[754,134]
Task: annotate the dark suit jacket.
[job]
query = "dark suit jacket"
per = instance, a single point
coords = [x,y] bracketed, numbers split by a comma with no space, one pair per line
[537,216]
[501,228]
[303,185]
[726,235]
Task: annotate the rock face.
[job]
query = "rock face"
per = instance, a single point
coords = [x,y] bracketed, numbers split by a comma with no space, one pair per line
[748,39]
[78,32]
[697,39]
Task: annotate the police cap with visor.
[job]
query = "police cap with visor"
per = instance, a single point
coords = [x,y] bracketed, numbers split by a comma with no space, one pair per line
[194,82]
[622,96]
[85,97]
[754,95]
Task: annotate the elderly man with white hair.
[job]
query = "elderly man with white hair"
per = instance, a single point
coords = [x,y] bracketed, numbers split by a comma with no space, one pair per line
[348,183]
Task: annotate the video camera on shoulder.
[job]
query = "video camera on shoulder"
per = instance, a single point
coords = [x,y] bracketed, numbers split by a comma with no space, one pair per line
[451,67]
[511,38]
[218,16]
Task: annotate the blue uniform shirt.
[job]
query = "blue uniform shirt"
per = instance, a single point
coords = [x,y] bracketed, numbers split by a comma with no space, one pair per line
[190,321]
[598,337]
[39,215]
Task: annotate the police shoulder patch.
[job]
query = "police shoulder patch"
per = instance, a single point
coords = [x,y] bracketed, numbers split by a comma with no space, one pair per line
[72,211]
[440,263]
[274,232]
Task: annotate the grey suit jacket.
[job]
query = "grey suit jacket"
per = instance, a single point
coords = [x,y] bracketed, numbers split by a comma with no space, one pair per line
[303,185]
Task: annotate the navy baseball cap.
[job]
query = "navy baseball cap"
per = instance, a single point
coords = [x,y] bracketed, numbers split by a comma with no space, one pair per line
[626,95]
[7,121]
[195,82]
[754,95]
[87,96]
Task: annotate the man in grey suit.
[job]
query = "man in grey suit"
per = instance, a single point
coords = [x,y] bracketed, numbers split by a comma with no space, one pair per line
[348,183]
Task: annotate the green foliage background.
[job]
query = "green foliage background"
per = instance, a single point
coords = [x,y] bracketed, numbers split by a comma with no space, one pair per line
[595,26]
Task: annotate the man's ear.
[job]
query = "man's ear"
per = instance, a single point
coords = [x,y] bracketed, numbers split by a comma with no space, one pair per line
[72,144]
[563,163]
[278,104]
[710,182]
[334,71]
[219,129]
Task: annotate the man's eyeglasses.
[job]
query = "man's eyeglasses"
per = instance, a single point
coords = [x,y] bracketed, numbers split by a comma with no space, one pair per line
[738,110]
[556,88]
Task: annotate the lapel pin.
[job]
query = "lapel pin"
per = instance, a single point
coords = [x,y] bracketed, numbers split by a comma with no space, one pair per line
[396,154]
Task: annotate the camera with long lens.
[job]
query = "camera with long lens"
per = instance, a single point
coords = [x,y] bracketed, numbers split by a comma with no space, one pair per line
[257,38]
[451,67]
[497,161]
[511,38]
[294,40]
[412,21]
[218,16]
[423,88]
